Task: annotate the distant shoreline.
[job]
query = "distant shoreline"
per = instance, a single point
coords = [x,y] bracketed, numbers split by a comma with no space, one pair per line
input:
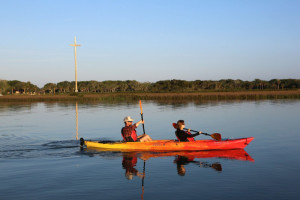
[238,95]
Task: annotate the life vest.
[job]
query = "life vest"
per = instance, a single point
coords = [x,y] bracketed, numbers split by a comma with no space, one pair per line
[131,138]
[129,162]
[191,139]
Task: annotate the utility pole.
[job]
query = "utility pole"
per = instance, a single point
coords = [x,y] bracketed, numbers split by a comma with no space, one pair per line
[75,45]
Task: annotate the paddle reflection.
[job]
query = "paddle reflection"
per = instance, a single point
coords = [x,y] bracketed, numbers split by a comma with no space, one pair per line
[181,159]
[185,158]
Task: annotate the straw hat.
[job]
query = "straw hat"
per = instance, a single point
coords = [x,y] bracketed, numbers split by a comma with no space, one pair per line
[129,176]
[128,119]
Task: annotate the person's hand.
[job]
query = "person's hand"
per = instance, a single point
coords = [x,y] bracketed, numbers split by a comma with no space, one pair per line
[144,157]
[142,121]
[189,130]
[200,132]
[141,175]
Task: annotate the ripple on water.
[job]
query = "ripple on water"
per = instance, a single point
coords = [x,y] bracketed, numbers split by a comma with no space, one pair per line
[24,148]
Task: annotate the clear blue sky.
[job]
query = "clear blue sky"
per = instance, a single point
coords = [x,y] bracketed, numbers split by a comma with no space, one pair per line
[149,40]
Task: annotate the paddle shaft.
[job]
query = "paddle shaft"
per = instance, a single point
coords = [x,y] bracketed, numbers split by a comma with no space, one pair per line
[143,180]
[142,116]
[196,131]
[143,173]
[143,124]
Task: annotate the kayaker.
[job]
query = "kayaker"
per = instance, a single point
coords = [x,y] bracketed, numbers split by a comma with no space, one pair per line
[181,161]
[184,136]
[129,133]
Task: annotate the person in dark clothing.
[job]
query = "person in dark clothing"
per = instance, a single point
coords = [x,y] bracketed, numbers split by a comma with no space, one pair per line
[181,161]
[184,136]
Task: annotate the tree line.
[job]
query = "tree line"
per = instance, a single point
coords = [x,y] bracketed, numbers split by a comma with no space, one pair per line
[15,86]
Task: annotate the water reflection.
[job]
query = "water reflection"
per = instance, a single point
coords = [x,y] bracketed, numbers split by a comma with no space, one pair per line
[173,103]
[16,107]
[181,161]
[130,160]
[199,159]
[181,158]
[128,163]
[76,120]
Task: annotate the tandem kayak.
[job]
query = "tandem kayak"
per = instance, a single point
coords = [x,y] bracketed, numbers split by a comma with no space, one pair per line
[171,145]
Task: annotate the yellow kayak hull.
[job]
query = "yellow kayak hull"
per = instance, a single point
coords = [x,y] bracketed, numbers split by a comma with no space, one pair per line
[172,145]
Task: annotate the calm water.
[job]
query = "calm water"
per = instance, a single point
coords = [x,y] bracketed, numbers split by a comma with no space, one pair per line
[41,159]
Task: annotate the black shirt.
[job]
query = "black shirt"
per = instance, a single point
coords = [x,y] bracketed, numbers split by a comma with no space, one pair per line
[183,136]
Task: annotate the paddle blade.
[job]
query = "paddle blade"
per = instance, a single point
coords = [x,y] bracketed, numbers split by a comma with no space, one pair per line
[174,125]
[141,106]
[216,136]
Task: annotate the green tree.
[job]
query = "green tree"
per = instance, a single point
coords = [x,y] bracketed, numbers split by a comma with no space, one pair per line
[50,87]
[4,86]
[92,85]
[64,86]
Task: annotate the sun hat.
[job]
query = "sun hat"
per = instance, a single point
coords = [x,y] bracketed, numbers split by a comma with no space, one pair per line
[129,176]
[128,119]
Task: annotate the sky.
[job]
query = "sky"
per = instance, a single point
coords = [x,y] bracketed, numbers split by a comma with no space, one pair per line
[149,40]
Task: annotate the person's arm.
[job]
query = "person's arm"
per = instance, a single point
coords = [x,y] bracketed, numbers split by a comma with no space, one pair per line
[189,135]
[139,122]
[192,135]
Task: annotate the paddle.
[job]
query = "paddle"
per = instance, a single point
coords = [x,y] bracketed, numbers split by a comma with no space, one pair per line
[142,115]
[143,180]
[215,166]
[216,136]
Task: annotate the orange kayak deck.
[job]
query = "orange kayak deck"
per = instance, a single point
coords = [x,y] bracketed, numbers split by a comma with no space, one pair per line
[173,145]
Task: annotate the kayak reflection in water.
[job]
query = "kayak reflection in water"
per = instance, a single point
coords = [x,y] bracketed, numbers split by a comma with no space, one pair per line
[181,161]
[129,133]
[128,163]
[184,136]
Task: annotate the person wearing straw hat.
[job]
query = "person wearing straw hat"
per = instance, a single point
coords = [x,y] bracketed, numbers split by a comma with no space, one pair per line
[129,134]
[129,163]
